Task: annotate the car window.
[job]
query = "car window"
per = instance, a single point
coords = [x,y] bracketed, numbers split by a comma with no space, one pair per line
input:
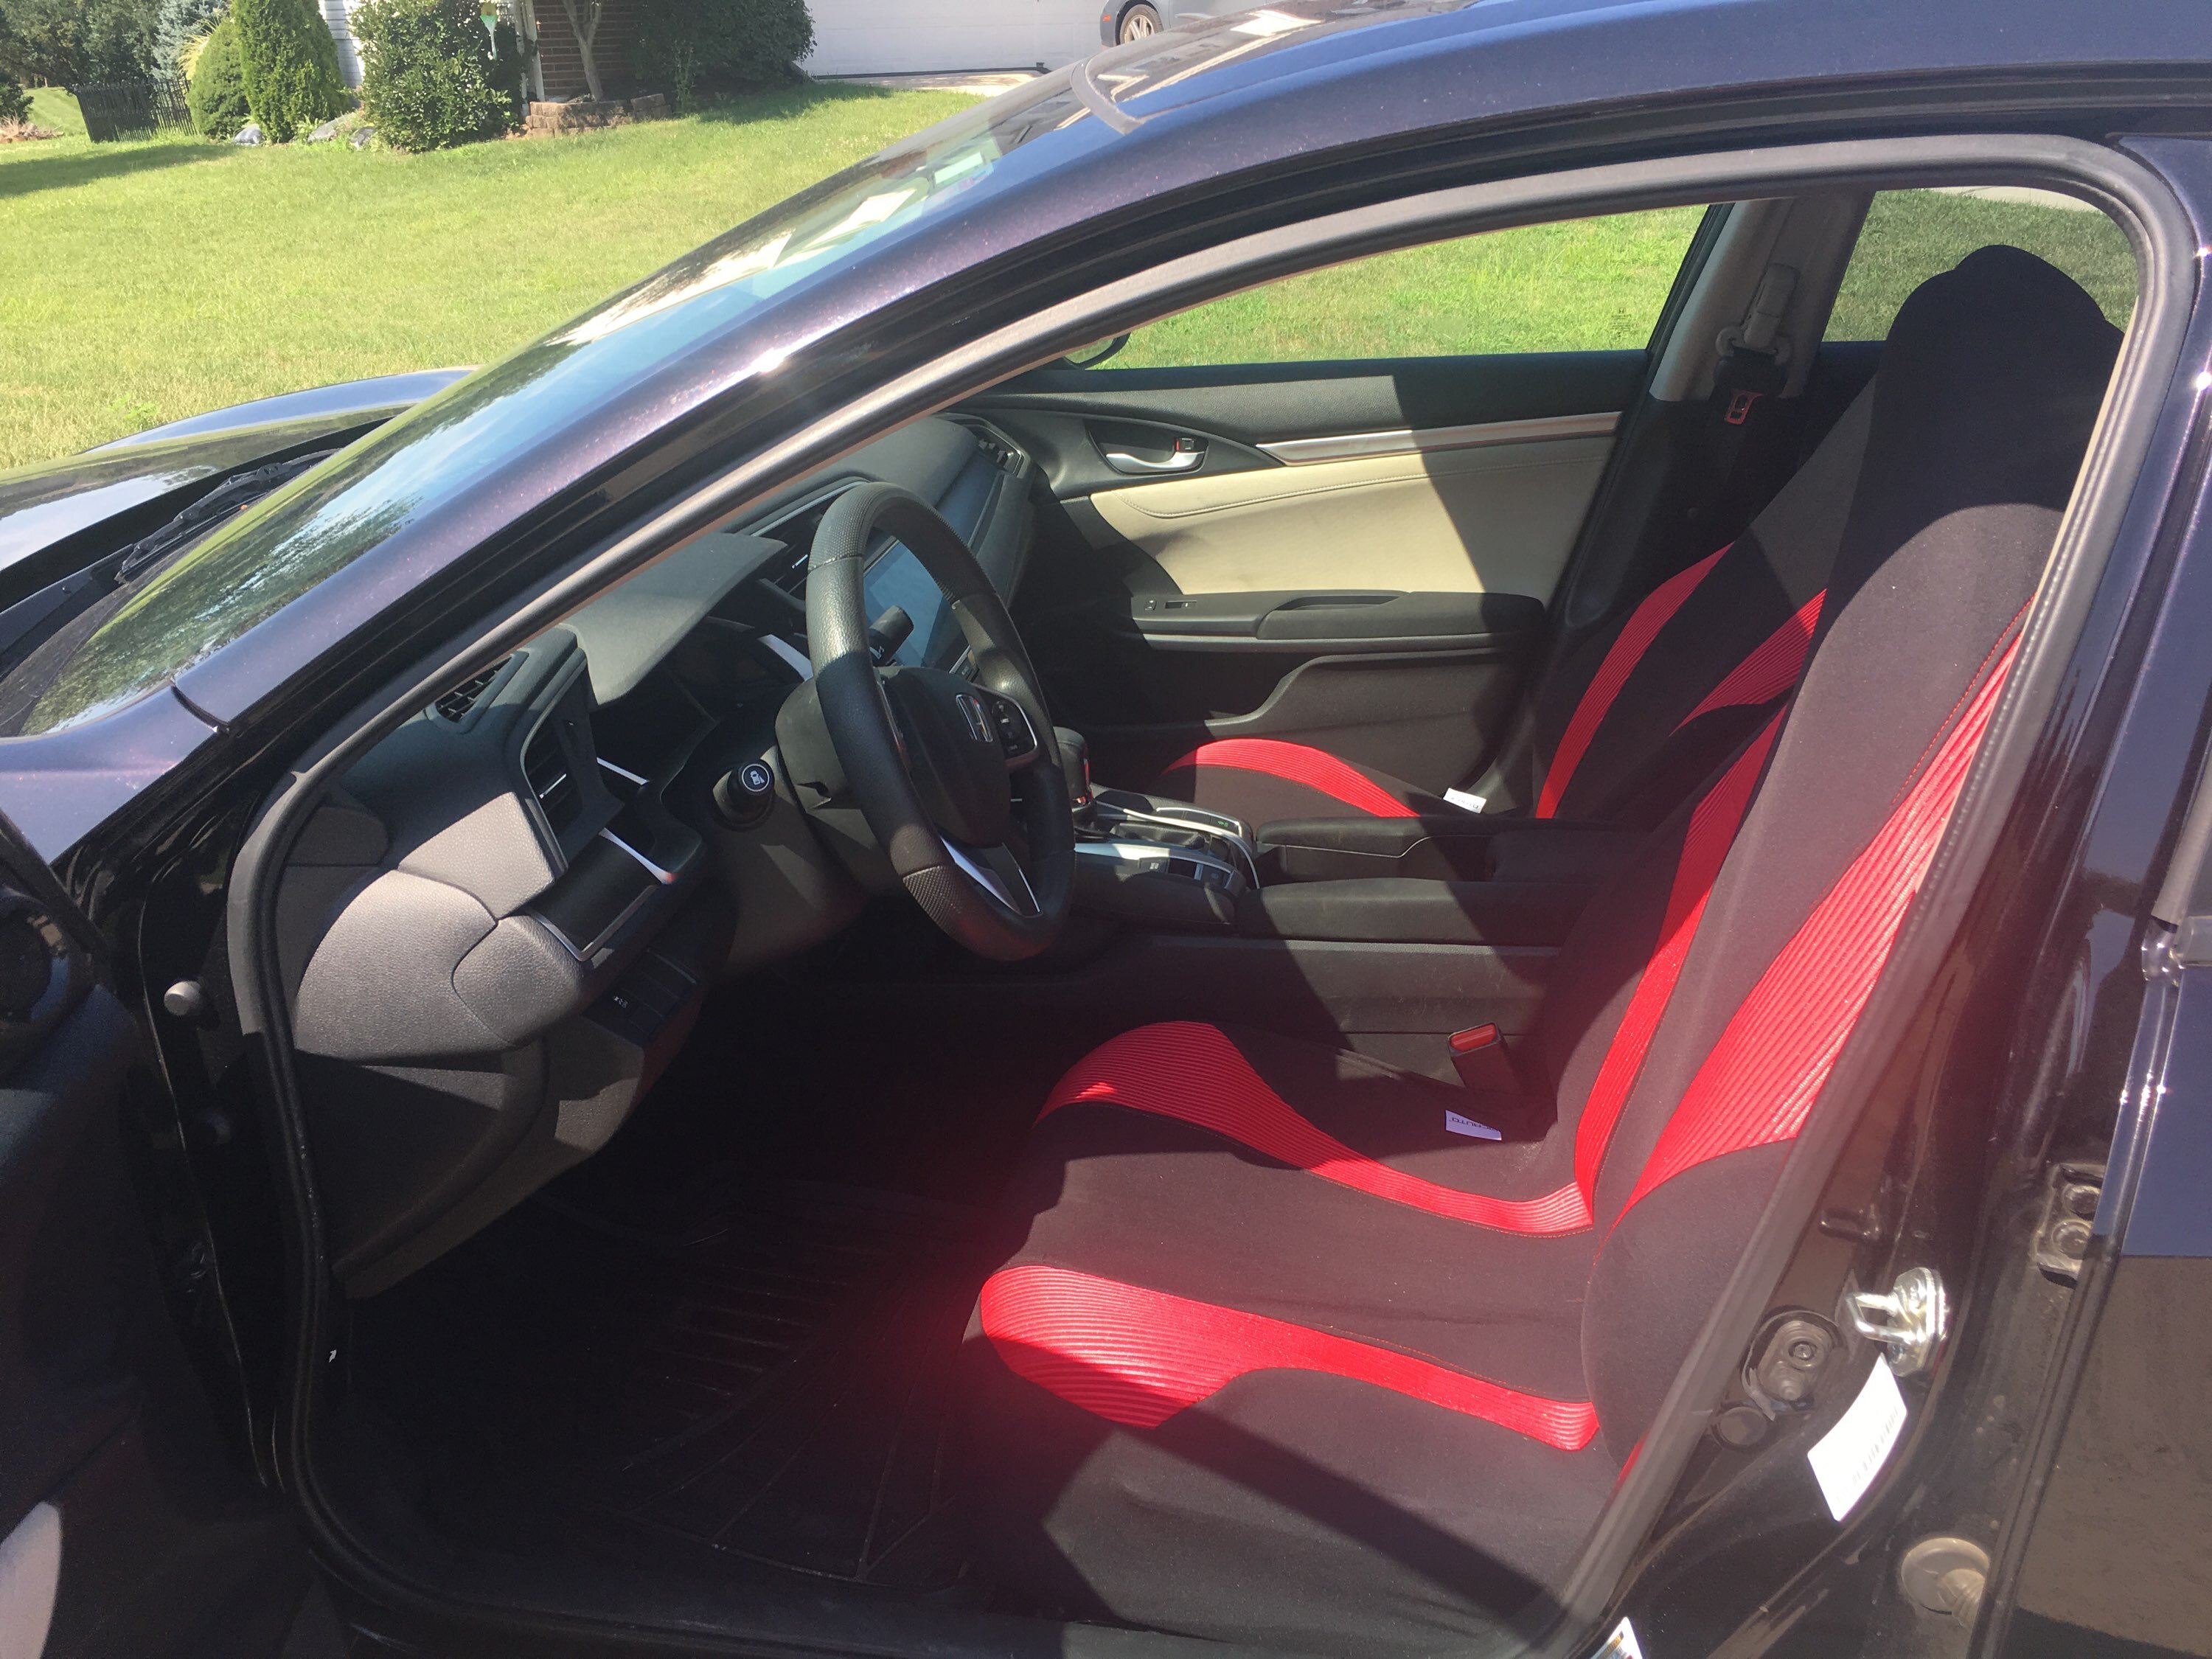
[1578,285]
[1912,234]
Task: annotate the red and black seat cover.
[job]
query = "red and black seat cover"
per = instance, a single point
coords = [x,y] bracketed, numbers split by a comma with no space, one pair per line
[1637,716]
[1280,1354]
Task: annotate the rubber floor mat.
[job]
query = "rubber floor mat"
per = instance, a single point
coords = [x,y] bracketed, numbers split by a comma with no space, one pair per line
[763,1370]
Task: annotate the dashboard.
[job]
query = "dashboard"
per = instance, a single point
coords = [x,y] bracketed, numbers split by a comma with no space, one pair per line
[500,927]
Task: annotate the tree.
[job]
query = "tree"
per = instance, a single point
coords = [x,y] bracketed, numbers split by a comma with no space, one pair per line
[291,64]
[178,23]
[14,102]
[78,42]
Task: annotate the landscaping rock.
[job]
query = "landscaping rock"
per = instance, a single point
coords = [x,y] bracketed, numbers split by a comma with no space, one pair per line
[362,136]
[324,134]
[653,107]
[250,134]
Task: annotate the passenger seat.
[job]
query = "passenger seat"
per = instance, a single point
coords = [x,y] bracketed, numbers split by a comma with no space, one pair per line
[1633,721]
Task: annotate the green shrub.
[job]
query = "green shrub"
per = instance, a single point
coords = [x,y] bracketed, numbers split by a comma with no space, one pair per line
[14,102]
[217,97]
[718,44]
[426,75]
[292,80]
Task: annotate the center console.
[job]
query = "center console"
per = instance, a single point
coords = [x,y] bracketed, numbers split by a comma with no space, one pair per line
[1460,879]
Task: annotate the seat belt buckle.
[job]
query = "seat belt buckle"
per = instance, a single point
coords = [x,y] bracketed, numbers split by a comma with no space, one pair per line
[1478,1054]
[1740,405]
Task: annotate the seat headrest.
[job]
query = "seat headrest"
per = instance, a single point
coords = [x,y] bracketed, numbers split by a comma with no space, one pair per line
[1990,383]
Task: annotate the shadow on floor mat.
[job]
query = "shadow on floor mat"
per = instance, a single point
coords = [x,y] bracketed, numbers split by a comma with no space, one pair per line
[760,1370]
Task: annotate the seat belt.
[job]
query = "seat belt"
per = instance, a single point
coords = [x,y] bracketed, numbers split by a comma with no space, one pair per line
[1746,421]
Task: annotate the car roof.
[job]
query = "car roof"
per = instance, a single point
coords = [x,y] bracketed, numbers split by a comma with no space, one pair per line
[1148,123]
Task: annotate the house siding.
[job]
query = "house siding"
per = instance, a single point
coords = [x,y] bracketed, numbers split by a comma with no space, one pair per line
[338,16]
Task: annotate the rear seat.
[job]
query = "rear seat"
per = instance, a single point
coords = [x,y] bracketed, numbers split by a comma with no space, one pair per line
[1627,725]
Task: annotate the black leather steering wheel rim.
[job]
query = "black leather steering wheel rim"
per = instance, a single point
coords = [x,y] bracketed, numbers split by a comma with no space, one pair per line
[863,731]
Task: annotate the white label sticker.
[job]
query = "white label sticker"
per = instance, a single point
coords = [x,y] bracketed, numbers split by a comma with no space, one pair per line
[1465,802]
[1466,1126]
[1621,1644]
[1852,1453]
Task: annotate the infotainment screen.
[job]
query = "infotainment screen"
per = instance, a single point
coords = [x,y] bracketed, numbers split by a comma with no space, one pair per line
[896,578]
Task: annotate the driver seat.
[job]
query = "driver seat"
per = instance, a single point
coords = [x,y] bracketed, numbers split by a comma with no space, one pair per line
[1280,1355]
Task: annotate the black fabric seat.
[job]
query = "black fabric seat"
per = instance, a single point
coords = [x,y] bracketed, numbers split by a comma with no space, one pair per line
[1639,715]
[1281,1353]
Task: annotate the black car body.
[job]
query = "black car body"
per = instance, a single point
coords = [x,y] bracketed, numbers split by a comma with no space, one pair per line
[227,651]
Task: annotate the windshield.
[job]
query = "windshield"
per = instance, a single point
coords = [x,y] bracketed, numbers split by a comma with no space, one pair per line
[184,610]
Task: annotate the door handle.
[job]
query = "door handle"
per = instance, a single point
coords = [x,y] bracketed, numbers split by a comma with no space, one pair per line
[1187,456]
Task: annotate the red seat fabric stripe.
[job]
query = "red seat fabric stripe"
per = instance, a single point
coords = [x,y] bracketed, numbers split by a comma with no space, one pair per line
[1193,1074]
[1760,1080]
[1704,846]
[1627,650]
[1768,672]
[1137,1357]
[1297,762]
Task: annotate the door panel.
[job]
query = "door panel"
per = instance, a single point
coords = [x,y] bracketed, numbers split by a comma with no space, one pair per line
[1304,576]
[106,1442]
[1500,518]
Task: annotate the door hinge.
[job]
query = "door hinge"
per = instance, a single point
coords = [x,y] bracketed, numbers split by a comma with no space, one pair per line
[2068,1217]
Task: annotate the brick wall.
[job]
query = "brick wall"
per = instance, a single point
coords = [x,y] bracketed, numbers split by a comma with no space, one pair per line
[563,65]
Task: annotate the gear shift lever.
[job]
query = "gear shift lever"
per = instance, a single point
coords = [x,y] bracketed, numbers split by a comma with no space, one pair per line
[1075,759]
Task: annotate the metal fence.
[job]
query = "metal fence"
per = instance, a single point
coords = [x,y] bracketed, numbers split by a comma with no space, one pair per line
[131,110]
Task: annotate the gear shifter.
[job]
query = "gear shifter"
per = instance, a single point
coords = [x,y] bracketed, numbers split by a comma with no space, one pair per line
[1075,758]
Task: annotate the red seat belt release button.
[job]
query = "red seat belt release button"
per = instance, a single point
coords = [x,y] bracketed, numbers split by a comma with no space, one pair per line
[1475,1037]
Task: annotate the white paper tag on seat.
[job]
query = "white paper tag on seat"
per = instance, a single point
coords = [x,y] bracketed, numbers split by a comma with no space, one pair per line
[1621,1644]
[1466,1126]
[1851,1455]
[1465,802]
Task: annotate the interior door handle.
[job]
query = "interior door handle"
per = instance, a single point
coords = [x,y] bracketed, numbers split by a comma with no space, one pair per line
[1187,455]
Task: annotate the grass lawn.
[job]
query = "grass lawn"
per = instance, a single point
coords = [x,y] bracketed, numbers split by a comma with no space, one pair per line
[156,280]
[1598,284]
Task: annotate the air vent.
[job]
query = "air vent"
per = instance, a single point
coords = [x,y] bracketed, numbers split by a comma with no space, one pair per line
[456,703]
[545,764]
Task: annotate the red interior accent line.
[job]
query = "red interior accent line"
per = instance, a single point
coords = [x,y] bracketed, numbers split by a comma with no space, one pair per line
[1757,1084]
[1771,670]
[1627,650]
[1193,1074]
[1297,762]
[1138,1357]
[1704,848]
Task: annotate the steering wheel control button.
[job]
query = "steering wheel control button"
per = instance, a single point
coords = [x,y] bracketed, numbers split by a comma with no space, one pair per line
[747,795]
[1017,738]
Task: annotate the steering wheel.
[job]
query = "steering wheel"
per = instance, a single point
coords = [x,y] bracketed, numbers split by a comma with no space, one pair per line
[937,761]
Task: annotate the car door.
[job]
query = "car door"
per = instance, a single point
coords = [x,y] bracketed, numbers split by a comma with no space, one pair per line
[126,1528]
[1334,509]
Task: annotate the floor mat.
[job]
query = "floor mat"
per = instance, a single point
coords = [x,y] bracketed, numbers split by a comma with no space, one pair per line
[761,1369]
